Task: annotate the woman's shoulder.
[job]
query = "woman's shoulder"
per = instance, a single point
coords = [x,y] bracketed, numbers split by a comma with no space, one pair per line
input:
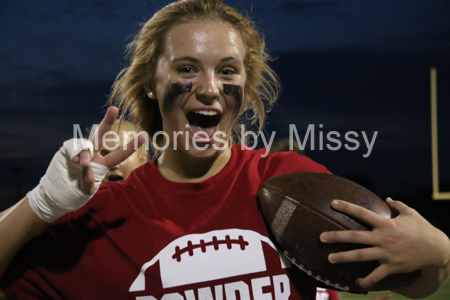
[283,161]
[257,166]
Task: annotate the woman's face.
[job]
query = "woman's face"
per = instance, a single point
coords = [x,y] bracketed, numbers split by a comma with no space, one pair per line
[199,86]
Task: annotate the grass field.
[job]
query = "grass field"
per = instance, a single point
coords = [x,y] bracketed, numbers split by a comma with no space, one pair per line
[442,294]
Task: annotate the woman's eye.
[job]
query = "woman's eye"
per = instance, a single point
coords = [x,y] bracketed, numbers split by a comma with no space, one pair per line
[187,70]
[227,71]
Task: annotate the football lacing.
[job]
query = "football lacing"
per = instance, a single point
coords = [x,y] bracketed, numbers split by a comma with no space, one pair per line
[318,277]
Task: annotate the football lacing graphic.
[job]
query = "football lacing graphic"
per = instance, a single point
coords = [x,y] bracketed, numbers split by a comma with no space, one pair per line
[215,243]
[223,257]
[318,277]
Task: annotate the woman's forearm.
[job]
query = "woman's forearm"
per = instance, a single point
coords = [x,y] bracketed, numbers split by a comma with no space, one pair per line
[18,225]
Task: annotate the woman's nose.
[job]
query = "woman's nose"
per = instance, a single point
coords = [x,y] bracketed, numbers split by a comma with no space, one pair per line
[209,89]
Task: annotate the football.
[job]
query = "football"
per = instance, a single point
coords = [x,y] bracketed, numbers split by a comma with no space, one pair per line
[297,209]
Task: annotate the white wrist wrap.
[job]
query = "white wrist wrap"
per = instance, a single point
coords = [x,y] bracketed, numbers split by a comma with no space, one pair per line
[58,191]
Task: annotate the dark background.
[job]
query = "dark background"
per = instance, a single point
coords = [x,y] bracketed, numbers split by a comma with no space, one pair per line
[349,65]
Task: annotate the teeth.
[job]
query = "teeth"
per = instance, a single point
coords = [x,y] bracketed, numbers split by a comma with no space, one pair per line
[206,112]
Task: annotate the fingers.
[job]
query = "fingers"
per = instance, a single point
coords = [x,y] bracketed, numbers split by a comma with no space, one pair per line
[378,274]
[348,236]
[104,126]
[85,159]
[119,155]
[87,176]
[100,135]
[398,206]
[369,217]
[358,255]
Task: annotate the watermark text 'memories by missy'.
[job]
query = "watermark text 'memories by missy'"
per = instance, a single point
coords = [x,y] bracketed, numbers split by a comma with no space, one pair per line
[332,140]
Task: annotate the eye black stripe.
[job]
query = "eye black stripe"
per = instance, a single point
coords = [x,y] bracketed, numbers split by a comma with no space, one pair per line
[172,92]
[235,91]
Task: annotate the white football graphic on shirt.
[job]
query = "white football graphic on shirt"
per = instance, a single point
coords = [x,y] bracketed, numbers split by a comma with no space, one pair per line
[213,255]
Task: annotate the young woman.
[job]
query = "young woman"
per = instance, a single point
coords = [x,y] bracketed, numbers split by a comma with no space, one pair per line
[187,225]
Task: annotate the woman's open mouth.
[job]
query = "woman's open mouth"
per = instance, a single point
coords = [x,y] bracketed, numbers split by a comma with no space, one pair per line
[205,122]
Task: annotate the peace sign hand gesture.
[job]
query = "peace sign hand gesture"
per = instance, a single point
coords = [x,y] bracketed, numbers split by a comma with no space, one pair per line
[76,171]
[91,161]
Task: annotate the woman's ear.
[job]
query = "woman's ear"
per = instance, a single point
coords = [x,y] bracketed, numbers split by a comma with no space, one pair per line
[150,93]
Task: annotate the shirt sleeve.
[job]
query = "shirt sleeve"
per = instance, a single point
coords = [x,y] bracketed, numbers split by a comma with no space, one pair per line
[280,163]
[45,263]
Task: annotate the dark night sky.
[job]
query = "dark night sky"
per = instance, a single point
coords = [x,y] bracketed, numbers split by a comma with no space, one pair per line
[349,65]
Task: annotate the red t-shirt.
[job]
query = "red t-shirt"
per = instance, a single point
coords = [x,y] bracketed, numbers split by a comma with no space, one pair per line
[148,238]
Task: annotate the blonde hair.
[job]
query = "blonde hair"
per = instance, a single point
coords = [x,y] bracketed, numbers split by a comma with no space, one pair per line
[128,92]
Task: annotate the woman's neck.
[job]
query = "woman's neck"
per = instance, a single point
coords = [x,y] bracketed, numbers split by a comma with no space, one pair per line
[177,166]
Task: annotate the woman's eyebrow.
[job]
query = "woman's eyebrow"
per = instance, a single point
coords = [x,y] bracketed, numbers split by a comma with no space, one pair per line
[197,61]
[230,58]
[188,59]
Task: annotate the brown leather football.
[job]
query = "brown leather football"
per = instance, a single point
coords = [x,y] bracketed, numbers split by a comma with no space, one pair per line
[296,208]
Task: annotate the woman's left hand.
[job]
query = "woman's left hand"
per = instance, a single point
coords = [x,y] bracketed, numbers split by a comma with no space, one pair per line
[403,244]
